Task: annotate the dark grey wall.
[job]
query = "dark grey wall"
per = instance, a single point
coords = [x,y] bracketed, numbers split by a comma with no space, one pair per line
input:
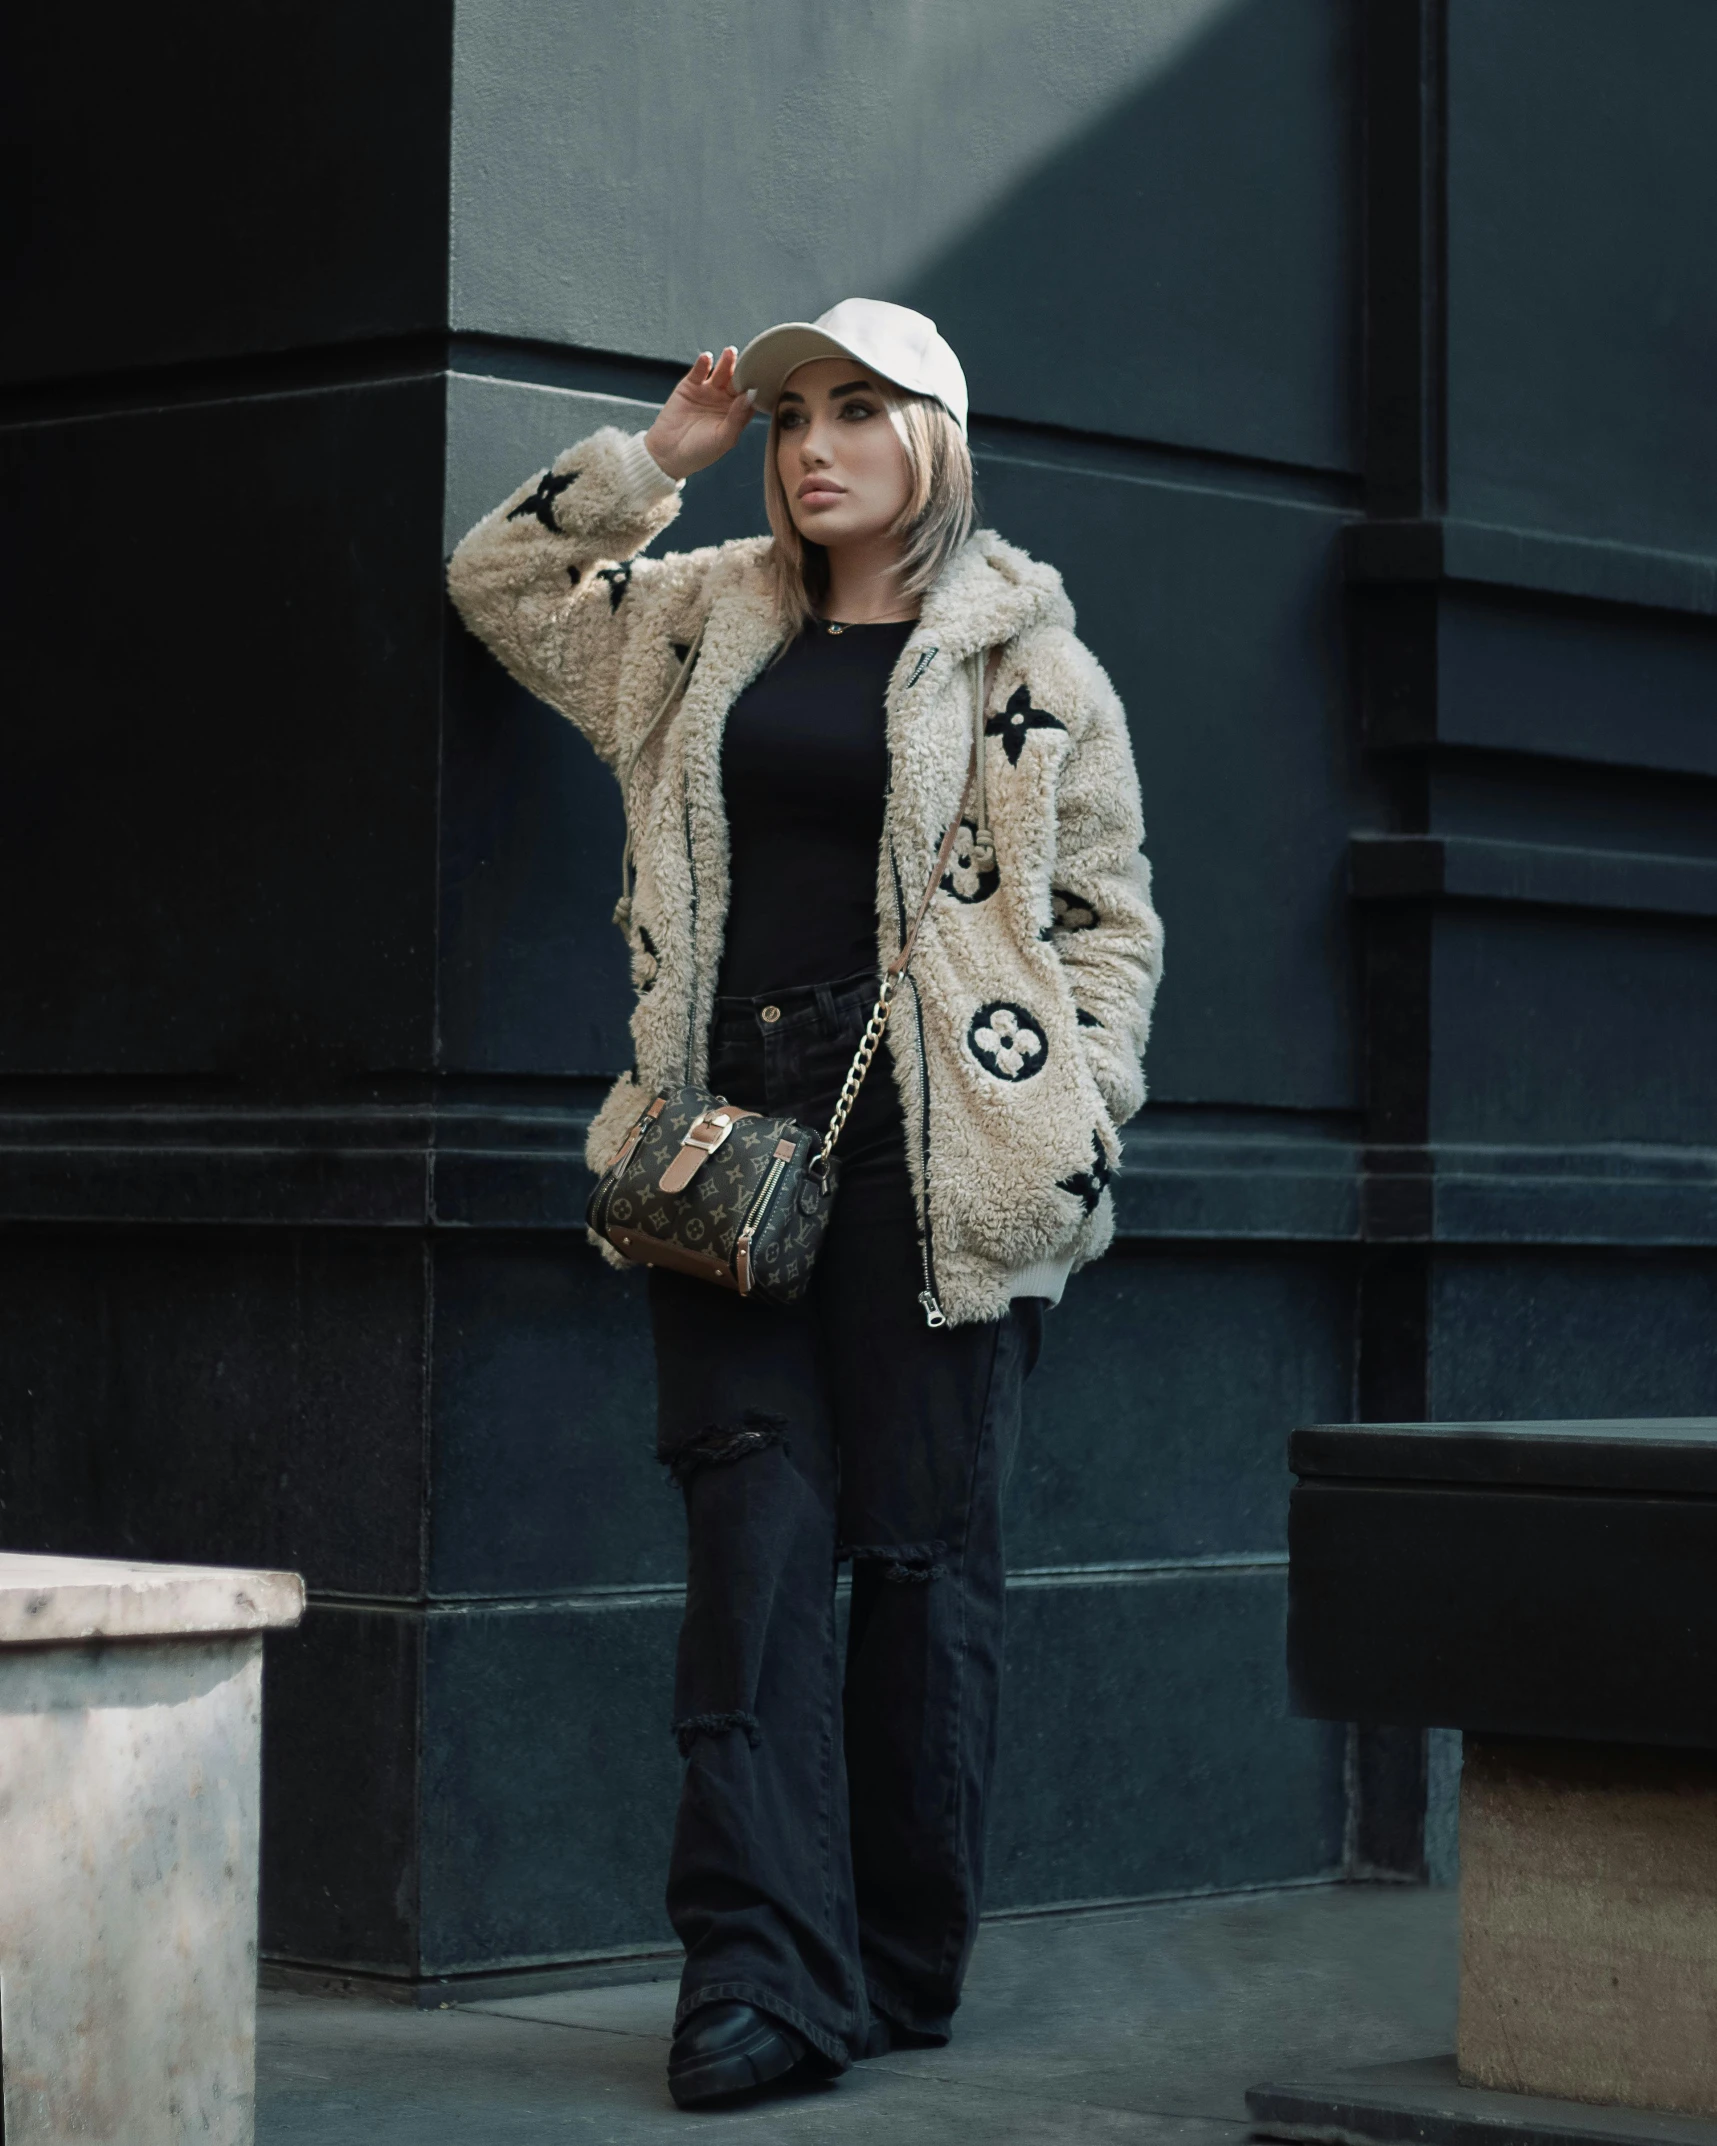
[221,785]
[1581,306]
[238,177]
[1346,357]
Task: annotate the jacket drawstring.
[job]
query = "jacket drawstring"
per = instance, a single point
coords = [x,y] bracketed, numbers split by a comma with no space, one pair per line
[623,907]
[984,672]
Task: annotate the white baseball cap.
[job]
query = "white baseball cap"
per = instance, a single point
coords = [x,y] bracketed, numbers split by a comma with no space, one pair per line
[892,340]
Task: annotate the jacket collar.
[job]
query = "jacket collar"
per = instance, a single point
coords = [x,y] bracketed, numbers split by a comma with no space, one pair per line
[989,592]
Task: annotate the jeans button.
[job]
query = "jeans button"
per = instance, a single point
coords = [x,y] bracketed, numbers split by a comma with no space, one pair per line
[771,1014]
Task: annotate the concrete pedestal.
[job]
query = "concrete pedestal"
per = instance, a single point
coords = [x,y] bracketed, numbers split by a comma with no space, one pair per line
[1589,1922]
[130,1720]
[1423,2103]
[1588,1975]
[1545,1588]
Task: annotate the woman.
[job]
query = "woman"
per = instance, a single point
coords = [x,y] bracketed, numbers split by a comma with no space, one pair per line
[828,1857]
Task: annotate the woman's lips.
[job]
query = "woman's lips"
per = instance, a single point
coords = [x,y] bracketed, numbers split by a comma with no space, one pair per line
[819,491]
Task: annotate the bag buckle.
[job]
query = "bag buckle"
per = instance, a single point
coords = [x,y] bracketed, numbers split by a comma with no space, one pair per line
[703,1136]
[719,1124]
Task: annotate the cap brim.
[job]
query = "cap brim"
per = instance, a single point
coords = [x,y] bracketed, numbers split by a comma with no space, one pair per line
[767,359]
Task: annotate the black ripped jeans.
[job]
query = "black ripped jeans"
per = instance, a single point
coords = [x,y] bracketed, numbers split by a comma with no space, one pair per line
[828,1856]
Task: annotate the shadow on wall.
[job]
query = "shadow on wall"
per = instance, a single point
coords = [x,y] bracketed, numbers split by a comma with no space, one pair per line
[1182,272]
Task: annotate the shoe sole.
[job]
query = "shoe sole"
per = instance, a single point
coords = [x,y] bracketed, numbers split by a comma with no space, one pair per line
[736,2071]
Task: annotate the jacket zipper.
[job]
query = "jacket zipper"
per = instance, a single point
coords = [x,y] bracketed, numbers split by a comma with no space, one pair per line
[617,1168]
[934,1315]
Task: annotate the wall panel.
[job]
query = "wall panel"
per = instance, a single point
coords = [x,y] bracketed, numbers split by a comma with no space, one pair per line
[222,745]
[1582,217]
[231,179]
[1153,1424]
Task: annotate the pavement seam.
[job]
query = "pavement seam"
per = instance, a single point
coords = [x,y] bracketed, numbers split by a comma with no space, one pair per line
[573,2026]
[1076,2101]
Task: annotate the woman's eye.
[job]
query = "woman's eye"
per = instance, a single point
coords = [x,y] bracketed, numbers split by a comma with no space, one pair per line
[857,409]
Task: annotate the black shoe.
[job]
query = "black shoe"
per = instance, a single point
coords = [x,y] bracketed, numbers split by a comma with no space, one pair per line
[729,2049]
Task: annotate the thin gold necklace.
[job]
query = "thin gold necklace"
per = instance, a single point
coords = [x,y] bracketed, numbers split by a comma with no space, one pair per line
[840,625]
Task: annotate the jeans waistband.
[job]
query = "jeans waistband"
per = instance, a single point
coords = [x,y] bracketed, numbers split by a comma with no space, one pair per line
[841,1003]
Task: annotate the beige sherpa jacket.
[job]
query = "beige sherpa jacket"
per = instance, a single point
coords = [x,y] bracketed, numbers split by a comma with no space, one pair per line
[1017,1039]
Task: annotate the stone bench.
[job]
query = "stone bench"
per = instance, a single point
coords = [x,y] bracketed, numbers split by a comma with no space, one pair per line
[130,1721]
[1549,1589]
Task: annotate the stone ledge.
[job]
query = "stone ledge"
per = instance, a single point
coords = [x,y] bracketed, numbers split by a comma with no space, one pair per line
[64,1600]
[1423,867]
[1491,554]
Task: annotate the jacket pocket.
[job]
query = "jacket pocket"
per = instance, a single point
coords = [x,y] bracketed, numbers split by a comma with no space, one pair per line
[1018,1177]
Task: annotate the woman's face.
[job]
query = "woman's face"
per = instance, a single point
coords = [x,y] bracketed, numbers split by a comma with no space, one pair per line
[839,458]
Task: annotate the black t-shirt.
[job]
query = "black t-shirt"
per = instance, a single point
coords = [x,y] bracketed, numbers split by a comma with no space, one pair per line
[804,768]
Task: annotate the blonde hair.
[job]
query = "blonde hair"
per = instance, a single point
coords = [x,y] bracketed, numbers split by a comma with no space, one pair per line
[934,523]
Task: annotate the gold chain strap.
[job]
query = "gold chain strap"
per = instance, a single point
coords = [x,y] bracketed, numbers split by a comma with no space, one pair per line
[869,1044]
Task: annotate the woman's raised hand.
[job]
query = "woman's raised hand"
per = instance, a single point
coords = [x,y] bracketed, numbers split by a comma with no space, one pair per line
[701,419]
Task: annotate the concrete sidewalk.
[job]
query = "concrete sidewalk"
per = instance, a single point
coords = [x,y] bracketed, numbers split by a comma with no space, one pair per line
[1124,2024]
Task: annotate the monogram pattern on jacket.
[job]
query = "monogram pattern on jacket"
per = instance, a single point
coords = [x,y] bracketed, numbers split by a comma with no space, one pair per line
[1087,1185]
[541,502]
[646,961]
[619,580]
[1072,912]
[964,879]
[1007,1041]
[1014,723]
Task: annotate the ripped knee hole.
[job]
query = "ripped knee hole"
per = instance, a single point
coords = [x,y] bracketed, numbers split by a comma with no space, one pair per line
[687,1732]
[719,1443]
[907,1564]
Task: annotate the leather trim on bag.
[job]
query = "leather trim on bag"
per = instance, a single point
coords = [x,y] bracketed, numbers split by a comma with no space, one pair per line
[658,1252]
